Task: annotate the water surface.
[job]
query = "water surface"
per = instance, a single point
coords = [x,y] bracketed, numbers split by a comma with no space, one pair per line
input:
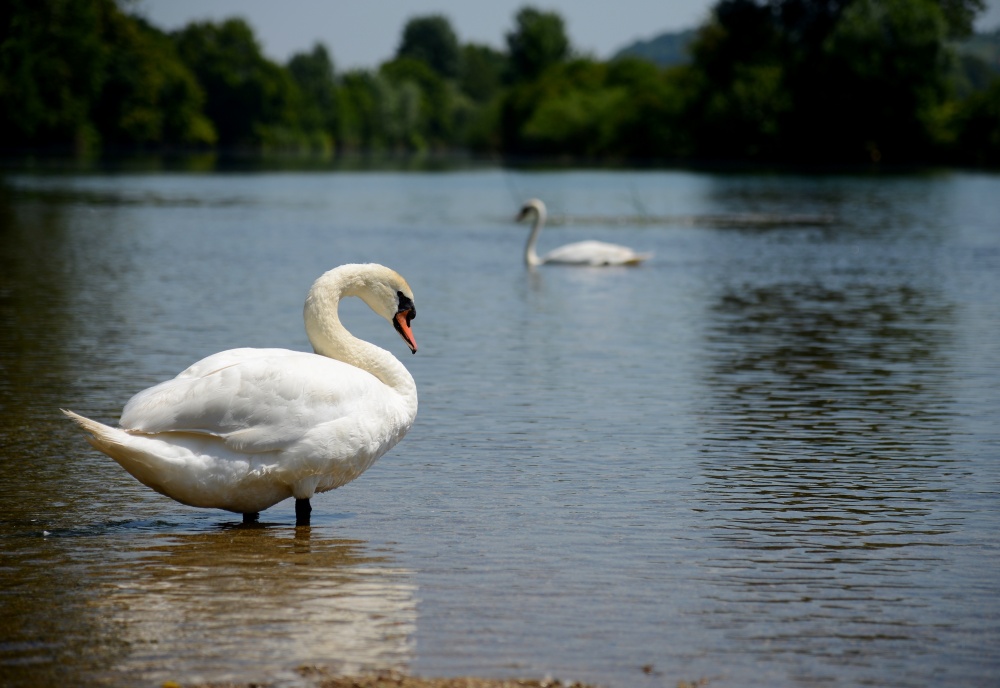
[769,456]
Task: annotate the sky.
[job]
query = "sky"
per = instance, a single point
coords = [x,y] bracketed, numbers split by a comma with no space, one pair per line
[365,33]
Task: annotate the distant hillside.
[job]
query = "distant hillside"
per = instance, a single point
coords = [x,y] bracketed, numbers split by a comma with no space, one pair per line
[979,54]
[666,50]
[978,62]
[985,46]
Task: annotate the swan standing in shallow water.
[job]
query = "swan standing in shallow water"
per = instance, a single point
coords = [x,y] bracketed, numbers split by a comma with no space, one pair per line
[247,428]
[594,253]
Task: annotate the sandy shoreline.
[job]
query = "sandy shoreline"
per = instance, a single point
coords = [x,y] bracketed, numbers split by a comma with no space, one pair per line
[392,679]
[324,678]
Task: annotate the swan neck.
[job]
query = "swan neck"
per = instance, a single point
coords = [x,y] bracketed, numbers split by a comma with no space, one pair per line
[530,256]
[330,338]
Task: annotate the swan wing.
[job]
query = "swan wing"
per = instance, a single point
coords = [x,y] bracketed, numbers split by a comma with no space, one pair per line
[227,358]
[594,253]
[255,401]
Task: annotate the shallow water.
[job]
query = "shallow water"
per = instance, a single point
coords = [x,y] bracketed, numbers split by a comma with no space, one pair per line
[769,456]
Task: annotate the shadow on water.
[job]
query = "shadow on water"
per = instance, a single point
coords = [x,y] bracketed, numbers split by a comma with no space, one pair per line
[826,450]
[55,320]
[231,603]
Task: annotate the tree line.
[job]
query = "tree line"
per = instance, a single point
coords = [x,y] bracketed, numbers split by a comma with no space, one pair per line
[807,81]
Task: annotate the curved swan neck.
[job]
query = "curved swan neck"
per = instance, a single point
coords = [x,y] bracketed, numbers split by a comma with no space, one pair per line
[530,257]
[330,338]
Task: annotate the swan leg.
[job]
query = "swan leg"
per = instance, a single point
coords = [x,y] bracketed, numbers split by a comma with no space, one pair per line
[251,517]
[302,510]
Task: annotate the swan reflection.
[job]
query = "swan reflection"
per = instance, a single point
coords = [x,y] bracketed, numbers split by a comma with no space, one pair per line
[825,456]
[251,604]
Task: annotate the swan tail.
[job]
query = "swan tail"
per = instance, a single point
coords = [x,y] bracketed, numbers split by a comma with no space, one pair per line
[184,471]
[121,446]
[102,437]
[638,258]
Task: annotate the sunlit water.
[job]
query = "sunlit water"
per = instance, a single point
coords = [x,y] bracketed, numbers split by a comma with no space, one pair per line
[770,456]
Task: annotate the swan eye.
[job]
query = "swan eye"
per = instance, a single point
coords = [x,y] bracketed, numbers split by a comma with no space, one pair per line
[406,305]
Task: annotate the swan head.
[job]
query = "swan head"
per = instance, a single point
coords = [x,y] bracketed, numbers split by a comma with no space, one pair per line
[384,290]
[533,205]
[405,312]
[387,293]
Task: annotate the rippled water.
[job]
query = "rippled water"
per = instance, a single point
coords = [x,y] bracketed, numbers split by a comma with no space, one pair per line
[770,456]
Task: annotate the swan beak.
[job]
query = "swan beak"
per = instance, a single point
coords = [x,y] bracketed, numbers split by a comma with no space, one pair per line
[402,323]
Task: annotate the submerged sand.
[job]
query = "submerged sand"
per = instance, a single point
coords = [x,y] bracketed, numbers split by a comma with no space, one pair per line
[323,678]
[392,679]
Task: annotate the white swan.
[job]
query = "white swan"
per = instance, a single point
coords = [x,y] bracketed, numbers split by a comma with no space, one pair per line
[247,428]
[593,253]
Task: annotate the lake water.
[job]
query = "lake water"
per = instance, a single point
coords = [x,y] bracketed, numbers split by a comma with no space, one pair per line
[769,456]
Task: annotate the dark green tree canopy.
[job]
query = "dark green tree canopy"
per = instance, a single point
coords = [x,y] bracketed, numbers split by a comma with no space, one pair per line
[843,80]
[248,97]
[960,15]
[482,71]
[314,67]
[811,81]
[314,75]
[83,73]
[432,41]
[150,97]
[53,65]
[537,42]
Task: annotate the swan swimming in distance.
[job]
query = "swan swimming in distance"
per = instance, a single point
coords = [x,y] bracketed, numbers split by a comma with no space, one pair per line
[593,253]
[247,428]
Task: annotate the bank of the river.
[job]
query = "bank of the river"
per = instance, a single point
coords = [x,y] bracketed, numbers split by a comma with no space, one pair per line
[392,679]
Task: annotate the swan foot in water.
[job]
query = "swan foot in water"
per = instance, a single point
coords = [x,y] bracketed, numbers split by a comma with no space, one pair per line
[302,511]
[251,518]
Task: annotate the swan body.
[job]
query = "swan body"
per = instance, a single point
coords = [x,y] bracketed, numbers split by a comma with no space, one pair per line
[592,253]
[244,429]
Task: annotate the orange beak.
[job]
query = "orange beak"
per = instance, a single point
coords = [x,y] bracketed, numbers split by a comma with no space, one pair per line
[402,323]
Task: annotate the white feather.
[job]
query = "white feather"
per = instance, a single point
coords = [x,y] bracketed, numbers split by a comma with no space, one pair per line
[591,253]
[246,428]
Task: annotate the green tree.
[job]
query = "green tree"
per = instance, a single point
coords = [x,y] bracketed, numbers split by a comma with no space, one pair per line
[81,73]
[887,64]
[739,93]
[823,80]
[314,75]
[852,67]
[434,123]
[537,42]
[651,121]
[977,127]
[356,95]
[567,110]
[53,62]
[380,112]
[149,97]
[960,15]
[432,41]
[250,100]
[481,73]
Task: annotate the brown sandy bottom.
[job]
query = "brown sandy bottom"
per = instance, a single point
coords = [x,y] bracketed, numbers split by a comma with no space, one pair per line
[396,680]
[392,679]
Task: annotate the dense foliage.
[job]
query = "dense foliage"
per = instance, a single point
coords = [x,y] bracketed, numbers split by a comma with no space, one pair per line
[818,81]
